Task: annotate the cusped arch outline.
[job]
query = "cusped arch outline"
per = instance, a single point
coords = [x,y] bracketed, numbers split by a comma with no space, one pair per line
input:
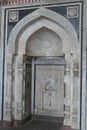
[48,24]
[48,14]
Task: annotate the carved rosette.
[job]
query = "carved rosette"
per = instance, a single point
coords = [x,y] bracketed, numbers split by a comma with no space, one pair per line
[13,16]
[72,12]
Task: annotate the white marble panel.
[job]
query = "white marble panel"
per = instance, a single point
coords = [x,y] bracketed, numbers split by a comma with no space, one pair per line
[49,80]
[44,42]
[49,94]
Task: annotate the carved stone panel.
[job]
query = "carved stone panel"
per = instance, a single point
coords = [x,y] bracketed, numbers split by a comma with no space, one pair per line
[49,90]
[49,102]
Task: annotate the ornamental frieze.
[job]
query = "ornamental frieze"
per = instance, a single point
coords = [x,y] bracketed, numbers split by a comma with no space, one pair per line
[18,2]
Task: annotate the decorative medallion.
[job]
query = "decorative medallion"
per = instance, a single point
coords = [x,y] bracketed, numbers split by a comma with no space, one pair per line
[47,44]
[13,16]
[72,12]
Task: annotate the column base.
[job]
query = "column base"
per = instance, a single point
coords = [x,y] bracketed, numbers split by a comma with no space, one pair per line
[21,122]
[7,123]
[1,123]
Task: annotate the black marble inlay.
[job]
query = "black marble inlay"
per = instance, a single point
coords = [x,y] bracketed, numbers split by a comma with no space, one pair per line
[22,14]
[63,11]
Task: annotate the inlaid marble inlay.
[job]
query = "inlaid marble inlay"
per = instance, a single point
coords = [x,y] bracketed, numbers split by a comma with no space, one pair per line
[13,16]
[49,90]
[72,12]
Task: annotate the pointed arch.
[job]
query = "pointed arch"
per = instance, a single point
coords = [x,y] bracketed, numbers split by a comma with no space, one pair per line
[33,19]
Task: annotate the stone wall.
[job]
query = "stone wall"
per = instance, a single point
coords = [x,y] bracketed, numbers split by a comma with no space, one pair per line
[8,103]
[71,49]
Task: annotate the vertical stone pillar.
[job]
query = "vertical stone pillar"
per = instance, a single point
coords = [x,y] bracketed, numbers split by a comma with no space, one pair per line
[23,90]
[84,70]
[1,66]
[8,86]
[18,88]
[67,100]
[76,97]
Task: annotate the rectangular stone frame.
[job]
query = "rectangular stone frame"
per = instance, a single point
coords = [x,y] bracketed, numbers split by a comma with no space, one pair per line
[45,109]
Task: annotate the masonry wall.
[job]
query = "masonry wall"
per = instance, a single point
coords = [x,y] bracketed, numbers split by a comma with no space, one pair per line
[84,71]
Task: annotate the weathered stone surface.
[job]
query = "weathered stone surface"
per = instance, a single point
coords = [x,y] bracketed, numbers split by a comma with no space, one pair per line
[84,70]
[58,40]
[1,62]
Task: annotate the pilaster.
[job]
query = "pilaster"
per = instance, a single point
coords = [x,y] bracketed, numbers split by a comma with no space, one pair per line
[8,88]
[1,58]
[18,86]
[67,100]
[84,70]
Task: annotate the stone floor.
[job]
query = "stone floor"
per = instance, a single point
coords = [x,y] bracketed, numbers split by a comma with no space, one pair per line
[38,125]
[41,125]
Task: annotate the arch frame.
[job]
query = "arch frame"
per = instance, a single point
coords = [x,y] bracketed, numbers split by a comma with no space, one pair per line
[16,46]
[46,13]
